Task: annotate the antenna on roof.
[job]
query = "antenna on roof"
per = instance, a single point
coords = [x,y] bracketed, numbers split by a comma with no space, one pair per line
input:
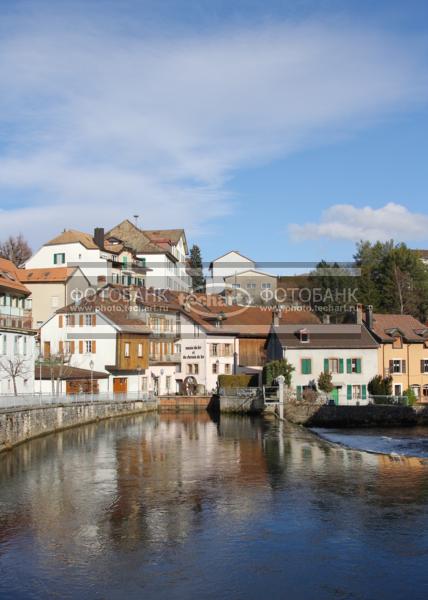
[136,220]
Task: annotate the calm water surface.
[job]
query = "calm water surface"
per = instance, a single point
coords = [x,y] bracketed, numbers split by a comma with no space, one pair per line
[185,507]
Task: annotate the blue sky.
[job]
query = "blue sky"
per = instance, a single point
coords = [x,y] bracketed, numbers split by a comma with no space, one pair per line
[287,130]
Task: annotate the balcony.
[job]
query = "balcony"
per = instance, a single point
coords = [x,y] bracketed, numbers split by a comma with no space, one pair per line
[16,322]
[165,358]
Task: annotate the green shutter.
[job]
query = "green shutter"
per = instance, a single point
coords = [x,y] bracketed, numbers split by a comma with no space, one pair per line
[309,366]
[358,365]
[326,365]
[306,366]
[55,257]
[349,365]
[340,365]
[299,392]
[364,392]
[349,392]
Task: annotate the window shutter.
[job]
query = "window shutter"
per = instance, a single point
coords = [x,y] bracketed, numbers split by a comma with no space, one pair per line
[72,320]
[94,320]
[80,346]
[61,347]
[349,392]
[309,367]
[299,392]
[422,366]
[364,392]
[340,365]
[326,365]
[403,363]
[391,367]
[60,321]
[72,347]
[81,320]
[94,347]
[358,365]
[349,365]
[55,257]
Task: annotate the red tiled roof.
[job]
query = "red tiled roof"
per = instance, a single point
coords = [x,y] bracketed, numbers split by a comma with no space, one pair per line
[56,274]
[9,277]
[410,328]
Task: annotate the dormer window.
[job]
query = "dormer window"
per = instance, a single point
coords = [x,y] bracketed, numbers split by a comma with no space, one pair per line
[304,336]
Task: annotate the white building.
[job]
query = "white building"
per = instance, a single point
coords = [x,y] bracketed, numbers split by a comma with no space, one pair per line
[348,352]
[230,264]
[99,261]
[163,252]
[17,339]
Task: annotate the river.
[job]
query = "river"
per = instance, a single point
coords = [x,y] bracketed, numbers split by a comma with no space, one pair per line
[182,506]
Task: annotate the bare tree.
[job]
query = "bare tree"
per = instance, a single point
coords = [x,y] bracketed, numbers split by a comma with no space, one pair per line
[16,249]
[59,367]
[15,368]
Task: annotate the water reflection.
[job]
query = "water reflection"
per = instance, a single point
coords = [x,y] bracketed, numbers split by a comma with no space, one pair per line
[178,506]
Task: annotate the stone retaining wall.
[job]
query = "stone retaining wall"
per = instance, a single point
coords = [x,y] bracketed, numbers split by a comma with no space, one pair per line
[21,424]
[184,403]
[355,416]
[238,405]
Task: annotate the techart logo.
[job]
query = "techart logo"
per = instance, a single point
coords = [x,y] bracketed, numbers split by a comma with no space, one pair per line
[232,301]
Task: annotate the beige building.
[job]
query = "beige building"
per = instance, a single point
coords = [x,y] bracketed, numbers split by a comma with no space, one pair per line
[52,288]
[255,285]
[403,351]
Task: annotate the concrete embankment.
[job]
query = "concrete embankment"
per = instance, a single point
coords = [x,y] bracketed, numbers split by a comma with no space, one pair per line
[355,416]
[21,424]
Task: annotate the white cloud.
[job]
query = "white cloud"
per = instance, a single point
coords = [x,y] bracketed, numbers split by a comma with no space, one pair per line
[347,222]
[99,125]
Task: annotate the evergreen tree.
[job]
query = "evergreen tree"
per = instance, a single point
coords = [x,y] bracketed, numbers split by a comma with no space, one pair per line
[196,269]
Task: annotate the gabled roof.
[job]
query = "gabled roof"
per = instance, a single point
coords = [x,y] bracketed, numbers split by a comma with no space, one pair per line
[54,275]
[325,336]
[166,235]
[135,238]
[72,236]
[232,252]
[10,278]
[386,327]
[250,271]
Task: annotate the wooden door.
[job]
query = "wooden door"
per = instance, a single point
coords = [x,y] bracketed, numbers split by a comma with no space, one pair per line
[120,385]
[46,349]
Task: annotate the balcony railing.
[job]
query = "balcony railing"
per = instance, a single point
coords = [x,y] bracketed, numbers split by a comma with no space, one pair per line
[16,322]
[173,358]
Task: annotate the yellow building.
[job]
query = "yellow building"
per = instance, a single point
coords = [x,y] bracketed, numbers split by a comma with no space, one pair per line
[403,351]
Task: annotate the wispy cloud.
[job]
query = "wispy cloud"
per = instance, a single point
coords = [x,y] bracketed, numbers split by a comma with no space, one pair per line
[347,222]
[97,126]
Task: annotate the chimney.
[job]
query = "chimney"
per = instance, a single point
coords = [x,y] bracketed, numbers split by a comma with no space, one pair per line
[369,316]
[326,319]
[276,315]
[99,237]
[359,314]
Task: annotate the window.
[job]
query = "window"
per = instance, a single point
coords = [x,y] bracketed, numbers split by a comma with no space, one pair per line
[304,336]
[333,365]
[127,350]
[251,285]
[397,366]
[356,392]
[89,346]
[59,258]
[397,389]
[168,383]
[24,346]
[266,286]
[214,349]
[306,366]
[236,285]
[69,320]
[215,368]
[228,369]
[16,344]
[196,369]
[54,301]
[425,393]
[228,349]
[88,320]
[424,365]
[144,384]
[416,390]
[353,365]
[3,346]
[140,350]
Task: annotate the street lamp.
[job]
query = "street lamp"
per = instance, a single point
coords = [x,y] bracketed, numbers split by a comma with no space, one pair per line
[91,366]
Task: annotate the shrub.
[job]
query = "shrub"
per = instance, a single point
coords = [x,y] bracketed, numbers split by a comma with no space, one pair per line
[325,383]
[238,381]
[273,369]
[380,386]
[411,396]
